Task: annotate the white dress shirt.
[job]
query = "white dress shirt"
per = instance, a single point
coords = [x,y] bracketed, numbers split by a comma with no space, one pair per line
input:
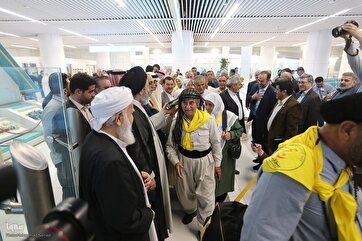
[235,98]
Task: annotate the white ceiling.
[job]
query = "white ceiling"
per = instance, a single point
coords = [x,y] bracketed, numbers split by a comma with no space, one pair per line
[104,20]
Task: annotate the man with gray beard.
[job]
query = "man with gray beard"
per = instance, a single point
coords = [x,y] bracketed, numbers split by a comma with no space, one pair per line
[147,151]
[109,179]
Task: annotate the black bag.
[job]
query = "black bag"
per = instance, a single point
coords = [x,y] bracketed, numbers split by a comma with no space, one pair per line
[226,221]
[235,145]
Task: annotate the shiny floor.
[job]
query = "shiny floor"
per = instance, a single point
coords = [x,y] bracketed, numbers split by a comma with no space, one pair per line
[13,226]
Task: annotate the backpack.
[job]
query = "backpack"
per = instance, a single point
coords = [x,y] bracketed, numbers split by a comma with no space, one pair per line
[226,221]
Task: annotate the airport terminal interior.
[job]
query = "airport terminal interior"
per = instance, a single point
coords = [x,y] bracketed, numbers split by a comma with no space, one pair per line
[41,37]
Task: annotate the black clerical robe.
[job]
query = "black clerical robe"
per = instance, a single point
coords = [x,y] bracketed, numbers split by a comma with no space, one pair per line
[113,190]
[144,154]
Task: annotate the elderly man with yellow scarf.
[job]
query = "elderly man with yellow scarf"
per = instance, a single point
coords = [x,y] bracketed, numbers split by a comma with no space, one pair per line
[306,189]
[193,147]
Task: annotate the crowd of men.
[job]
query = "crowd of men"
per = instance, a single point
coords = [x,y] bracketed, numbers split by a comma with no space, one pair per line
[134,145]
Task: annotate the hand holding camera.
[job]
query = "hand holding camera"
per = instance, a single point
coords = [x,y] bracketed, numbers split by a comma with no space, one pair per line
[349,27]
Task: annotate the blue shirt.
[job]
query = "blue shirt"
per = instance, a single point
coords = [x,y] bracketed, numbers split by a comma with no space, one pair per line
[283,209]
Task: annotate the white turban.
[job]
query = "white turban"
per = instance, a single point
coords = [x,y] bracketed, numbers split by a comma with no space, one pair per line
[109,102]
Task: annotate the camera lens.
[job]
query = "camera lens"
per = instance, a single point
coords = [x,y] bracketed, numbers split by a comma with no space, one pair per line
[337,31]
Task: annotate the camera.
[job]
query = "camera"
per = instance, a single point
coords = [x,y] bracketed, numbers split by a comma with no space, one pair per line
[338,31]
[67,221]
[171,104]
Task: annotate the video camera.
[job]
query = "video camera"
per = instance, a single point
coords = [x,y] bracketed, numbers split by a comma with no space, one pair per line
[339,31]
[171,104]
[67,221]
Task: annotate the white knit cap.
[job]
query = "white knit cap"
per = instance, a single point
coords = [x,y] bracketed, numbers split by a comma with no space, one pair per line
[109,102]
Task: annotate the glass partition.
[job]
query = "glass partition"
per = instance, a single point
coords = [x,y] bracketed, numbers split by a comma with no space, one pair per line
[31,113]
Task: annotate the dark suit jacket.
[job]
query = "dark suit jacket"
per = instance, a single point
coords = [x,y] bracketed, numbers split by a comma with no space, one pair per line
[59,128]
[266,105]
[249,93]
[295,86]
[113,190]
[85,124]
[285,123]
[230,105]
[310,104]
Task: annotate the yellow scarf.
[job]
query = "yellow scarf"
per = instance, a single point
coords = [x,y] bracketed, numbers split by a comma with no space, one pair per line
[300,159]
[154,103]
[199,119]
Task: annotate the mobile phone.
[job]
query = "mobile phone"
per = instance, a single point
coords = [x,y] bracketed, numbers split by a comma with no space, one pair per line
[253,142]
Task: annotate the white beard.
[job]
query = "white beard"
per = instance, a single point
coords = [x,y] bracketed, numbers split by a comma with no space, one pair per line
[125,132]
[145,98]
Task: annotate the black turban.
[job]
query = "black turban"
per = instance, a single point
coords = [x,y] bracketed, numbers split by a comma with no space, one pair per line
[185,94]
[346,108]
[189,94]
[135,79]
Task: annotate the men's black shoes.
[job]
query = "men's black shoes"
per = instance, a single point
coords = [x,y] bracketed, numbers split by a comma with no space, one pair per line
[237,172]
[188,217]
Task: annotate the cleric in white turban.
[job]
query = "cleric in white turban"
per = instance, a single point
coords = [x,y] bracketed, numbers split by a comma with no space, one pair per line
[108,178]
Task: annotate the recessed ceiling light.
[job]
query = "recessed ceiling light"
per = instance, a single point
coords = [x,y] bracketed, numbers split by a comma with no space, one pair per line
[69,46]
[78,34]
[263,41]
[22,46]
[21,16]
[9,34]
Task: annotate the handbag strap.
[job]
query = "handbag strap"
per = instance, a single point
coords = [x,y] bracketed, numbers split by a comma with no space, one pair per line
[224,120]
[248,186]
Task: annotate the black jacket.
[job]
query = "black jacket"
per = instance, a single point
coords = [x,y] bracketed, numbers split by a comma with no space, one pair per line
[113,190]
[310,105]
[144,154]
[260,120]
[230,105]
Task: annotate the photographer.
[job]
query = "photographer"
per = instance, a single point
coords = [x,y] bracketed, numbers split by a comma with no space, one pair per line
[352,52]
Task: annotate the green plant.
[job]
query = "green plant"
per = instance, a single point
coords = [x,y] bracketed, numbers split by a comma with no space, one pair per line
[224,63]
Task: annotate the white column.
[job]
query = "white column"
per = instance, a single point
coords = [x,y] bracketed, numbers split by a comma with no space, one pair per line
[317,54]
[52,51]
[344,65]
[267,58]
[146,56]
[182,54]
[225,52]
[246,55]
[103,61]
[132,57]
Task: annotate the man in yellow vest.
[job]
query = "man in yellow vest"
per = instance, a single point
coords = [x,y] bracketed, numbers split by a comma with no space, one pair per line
[306,190]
